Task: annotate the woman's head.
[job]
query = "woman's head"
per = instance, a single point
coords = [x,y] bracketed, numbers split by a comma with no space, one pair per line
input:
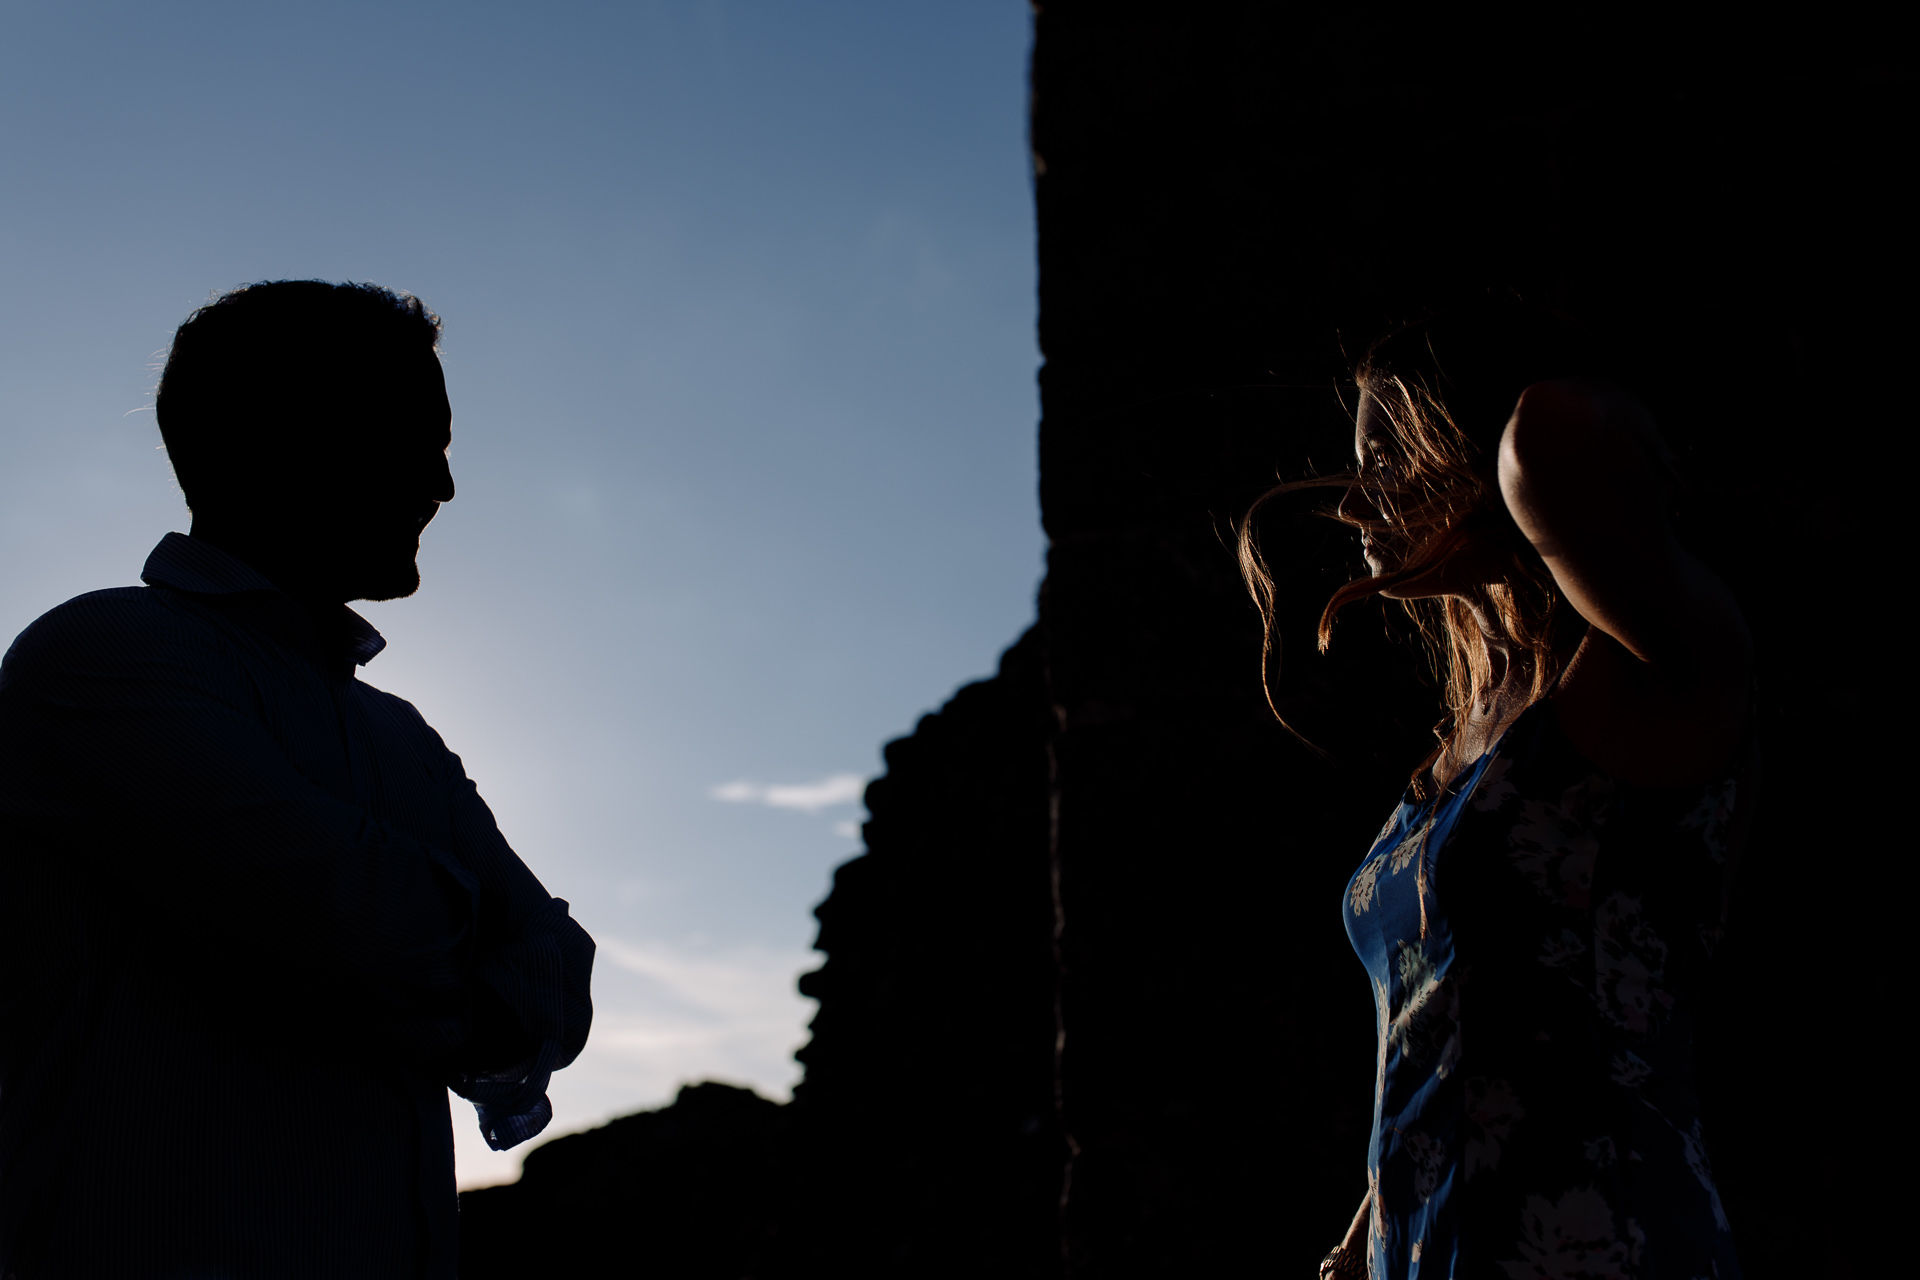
[1433,401]
[1416,476]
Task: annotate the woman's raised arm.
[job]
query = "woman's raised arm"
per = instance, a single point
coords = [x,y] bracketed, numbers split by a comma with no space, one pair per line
[1659,695]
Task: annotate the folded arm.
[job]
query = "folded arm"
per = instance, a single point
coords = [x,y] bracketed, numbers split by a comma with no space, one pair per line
[531,973]
[530,954]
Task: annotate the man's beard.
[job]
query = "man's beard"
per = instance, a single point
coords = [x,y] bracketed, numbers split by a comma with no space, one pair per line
[394,583]
[388,571]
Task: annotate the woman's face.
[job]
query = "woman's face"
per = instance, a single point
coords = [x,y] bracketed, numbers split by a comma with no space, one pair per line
[1371,503]
[1369,499]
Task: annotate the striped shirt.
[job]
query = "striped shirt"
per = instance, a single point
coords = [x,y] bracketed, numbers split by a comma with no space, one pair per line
[254,921]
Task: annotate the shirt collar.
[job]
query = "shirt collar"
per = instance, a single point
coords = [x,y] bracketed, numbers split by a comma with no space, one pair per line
[188,564]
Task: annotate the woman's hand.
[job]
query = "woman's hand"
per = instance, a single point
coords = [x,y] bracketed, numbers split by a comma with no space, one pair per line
[1348,1261]
[1659,695]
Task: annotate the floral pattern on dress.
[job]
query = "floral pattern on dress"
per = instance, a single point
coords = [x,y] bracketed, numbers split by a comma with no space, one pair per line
[1629,1070]
[1713,817]
[1430,1158]
[1492,1110]
[1407,850]
[1493,790]
[1570,1238]
[1563,950]
[1554,844]
[1426,1026]
[1386,828]
[1629,965]
[1365,885]
[1536,989]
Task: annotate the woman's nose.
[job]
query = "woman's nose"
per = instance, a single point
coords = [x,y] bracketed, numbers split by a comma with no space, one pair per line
[1355,505]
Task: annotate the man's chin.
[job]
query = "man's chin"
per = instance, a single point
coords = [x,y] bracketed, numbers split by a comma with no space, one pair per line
[395,584]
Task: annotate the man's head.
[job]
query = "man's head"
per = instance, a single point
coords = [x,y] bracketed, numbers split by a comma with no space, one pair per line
[308,424]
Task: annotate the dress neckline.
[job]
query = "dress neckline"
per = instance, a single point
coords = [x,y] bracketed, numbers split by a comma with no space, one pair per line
[1468,774]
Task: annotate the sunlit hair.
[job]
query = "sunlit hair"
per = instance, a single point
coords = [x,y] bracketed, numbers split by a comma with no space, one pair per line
[1443,391]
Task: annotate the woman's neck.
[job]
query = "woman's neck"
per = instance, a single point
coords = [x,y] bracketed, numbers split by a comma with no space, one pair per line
[1491,708]
[1508,668]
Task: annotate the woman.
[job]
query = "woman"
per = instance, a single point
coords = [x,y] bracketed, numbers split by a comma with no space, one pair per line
[1538,912]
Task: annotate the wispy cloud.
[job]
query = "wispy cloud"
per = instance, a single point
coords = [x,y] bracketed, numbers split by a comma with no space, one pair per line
[807,797]
[674,1013]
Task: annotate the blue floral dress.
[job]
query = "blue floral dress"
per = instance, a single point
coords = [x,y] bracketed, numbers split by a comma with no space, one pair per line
[1534,1106]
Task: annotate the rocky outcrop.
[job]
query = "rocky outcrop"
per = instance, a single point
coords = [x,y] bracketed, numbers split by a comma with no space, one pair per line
[925,1140]
[688,1191]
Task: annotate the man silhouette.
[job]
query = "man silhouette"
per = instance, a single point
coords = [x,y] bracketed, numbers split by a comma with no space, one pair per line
[254,919]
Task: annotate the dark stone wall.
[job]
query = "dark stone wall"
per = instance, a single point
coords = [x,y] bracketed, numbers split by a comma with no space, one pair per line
[1232,198]
[925,1135]
[1113,840]
[686,1191]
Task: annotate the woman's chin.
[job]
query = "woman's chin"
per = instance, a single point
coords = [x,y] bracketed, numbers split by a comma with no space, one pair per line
[1425,587]
[1430,583]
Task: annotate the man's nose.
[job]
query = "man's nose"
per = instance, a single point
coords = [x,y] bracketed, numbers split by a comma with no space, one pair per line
[442,480]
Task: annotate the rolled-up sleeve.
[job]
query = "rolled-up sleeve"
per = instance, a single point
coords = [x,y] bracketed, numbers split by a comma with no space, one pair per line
[530,951]
[533,960]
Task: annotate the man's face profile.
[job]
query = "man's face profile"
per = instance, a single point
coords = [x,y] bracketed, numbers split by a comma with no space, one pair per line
[334,507]
[389,476]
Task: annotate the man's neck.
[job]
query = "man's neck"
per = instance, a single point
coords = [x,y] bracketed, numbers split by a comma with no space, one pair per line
[281,561]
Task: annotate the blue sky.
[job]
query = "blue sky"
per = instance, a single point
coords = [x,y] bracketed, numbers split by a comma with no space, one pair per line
[739,305]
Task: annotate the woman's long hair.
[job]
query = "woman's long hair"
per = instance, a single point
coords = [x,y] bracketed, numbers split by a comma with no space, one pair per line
[1444,390]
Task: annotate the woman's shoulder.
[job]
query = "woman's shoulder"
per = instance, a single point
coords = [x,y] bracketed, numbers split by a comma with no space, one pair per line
[1643,727]
[1567,833]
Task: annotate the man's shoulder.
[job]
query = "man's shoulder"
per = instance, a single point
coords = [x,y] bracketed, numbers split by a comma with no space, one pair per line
[110,610]
[397,711]
[126,621]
